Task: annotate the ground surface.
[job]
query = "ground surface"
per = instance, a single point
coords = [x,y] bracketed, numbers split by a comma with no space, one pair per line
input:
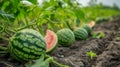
[107,49]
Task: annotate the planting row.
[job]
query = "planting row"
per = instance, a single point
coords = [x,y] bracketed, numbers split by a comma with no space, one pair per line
[28,44]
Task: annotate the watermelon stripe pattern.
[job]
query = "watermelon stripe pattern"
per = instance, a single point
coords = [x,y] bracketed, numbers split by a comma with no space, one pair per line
[87,28]
[80,34]
[26,45]
[65,37]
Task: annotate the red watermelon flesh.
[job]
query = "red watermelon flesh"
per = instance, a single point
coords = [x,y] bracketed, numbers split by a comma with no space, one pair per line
[51,41]
[92,24]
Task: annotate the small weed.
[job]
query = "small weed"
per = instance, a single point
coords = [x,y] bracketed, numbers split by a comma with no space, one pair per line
[91,54]
[98,35]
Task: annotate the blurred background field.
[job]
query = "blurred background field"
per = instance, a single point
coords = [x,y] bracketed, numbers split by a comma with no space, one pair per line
[53,14]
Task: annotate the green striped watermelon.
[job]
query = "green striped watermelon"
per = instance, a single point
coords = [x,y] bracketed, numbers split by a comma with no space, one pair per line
[65,37]
[80,34]
[26,45]
[51,41]
[88,28]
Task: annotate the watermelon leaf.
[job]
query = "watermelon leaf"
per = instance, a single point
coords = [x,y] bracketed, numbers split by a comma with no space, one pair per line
[15,3]
[41,62]
[79,13]
[44,63]
[30,64]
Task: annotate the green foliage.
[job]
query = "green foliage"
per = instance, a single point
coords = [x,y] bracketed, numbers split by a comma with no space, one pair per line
[16,16]
[96,11]
[118,38]
[101,19]
[5,15]
[43,62]
[40,62]
[33,1]
[51,14]
[91,54]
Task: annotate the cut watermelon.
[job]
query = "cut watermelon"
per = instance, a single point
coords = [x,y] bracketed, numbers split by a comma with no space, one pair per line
[51,41]
[92,24]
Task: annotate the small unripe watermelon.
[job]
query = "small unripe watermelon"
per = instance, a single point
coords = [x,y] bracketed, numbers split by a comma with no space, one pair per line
[65,37]
[27,45]
[51,41]
[80,34]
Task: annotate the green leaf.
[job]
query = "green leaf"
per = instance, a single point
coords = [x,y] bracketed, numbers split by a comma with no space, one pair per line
[15,3]
[44,63]
[33,1]
[50,8]
[79,14]
[30,64]
[68,2]
[52,2]
[41,62]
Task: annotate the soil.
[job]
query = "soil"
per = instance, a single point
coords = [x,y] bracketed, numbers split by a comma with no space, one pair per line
[107,49]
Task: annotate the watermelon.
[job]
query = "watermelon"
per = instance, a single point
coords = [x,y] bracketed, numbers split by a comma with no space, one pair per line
[88,28]
[65,37]
[80,34]
[51,41]
[27,45]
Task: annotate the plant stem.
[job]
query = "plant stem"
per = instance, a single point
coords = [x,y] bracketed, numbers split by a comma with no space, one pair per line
[55,62]
[11,30]
[50,20]
[26,26]
[60,65]
[69,25]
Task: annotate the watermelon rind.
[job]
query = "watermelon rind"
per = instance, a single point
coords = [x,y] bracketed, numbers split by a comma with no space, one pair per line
[65,37]
[26,45]
[80,34]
